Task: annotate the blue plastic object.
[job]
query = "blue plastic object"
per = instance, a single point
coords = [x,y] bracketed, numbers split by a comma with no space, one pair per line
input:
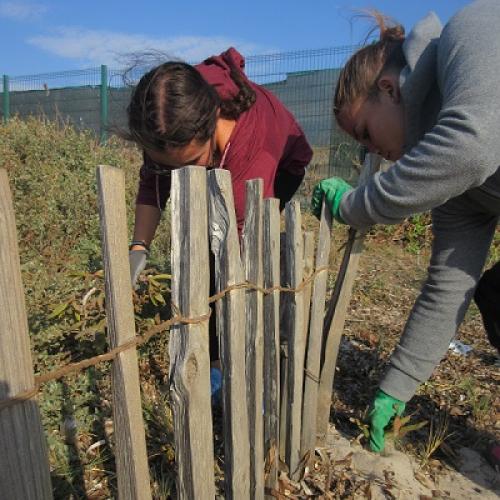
[215,385]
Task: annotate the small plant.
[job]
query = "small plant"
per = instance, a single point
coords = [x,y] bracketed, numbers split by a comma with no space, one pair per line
[438,433]
[399,428]
[156,289]
[414,234]
[480,403]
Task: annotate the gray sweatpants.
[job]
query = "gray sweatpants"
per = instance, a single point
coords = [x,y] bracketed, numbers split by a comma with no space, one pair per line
[463,230]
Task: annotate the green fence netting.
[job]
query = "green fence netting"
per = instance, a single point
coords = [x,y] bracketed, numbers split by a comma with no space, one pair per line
[97,98]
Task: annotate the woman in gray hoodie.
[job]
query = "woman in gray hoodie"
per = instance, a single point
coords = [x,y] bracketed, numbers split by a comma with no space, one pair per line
[429,103]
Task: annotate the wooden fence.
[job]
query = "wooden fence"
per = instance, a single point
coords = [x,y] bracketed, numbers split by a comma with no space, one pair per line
[278,347]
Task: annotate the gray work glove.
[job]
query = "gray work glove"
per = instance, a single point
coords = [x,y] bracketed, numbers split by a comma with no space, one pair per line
[137,260]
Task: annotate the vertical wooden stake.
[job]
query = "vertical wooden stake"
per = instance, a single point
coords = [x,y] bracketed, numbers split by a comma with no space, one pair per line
[311,381]
[188,346]
[131,458]
[231,330]
[337,310]
[308,270]
[271,340]
[24,464]
[296,343]
[284,338]
[252,258]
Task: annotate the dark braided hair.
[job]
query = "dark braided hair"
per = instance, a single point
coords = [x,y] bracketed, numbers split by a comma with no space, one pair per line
[173,104]
[243,100]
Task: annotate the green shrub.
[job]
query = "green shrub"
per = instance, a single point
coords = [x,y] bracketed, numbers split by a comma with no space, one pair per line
[52,173]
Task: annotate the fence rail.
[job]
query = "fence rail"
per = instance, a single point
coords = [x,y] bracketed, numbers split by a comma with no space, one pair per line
[248,285]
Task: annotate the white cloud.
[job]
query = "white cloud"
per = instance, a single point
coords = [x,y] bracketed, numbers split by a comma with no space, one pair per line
[102,47]
[22,11]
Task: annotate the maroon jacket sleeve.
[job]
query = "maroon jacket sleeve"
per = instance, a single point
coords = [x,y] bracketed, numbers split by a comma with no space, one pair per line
[153,189]
[297,153]
[292,167]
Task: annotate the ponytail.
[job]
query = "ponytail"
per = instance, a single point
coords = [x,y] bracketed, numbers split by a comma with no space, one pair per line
[360,75]
[232,108]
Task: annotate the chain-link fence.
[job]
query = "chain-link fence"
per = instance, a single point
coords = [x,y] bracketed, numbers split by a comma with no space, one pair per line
[97,98]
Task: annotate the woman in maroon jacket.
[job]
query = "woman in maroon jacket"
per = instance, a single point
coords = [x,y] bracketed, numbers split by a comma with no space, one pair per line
[209,115]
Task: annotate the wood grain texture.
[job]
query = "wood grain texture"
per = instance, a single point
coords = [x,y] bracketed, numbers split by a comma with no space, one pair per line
[24,464]
[311,381]
[271,340]
[337,310]
[188,345]
[308,270]
[231,331]
[296,343]
[252,260]
[131,458]
[284,333]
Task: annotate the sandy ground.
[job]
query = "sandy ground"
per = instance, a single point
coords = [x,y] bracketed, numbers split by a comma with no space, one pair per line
[395,474]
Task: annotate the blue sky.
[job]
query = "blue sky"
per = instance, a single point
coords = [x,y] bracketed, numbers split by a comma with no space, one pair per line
[56,35]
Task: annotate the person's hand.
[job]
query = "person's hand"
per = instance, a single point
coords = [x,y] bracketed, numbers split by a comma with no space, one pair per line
[332,190]
[137,260]
[384,408]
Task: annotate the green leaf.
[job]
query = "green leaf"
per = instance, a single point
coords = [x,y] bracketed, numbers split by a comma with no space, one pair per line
[402,431]
[153,282]
[58,310]
[161,277]
[159,298]
[77,274]
[410,428]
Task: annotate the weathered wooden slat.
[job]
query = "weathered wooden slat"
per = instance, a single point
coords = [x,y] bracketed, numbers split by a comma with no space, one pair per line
[296,344]
[312,372]
[188,346]
[252,259]
[308,270]
[231,331]
[284,333]
[283,399]
[24,464]
[337,310]
[308,261]
[131,458]
[271,340]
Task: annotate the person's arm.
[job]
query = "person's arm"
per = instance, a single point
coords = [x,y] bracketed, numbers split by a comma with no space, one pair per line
[462,150]
[151,198]
[292,167]
[286,185]
[462,237]
[147,218]
[297,152]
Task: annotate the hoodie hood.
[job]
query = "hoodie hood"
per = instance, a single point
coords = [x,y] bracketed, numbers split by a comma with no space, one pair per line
[216,70]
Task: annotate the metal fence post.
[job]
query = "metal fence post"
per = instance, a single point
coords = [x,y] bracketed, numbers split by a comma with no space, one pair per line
[6,99]
[104,103]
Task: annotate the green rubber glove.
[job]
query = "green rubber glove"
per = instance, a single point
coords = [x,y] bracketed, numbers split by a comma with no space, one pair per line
[332,190]
[383,410]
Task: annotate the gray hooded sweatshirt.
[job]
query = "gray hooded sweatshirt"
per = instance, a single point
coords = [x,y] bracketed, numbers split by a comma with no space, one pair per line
[451,94]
